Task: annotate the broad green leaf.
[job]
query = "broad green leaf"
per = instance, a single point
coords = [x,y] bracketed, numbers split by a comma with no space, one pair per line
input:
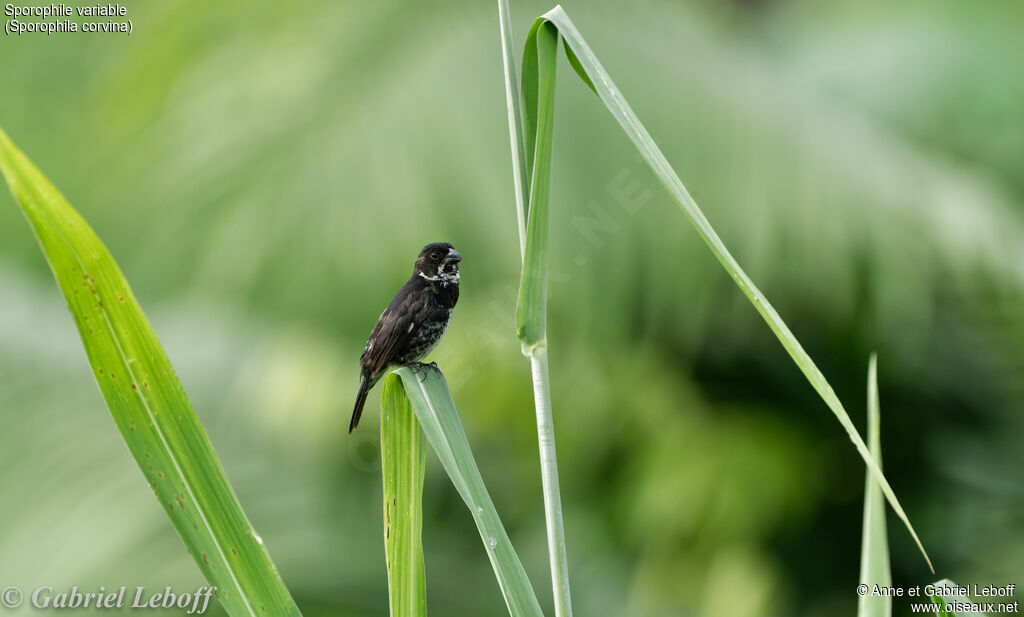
[949,597]
[146,399]
[531,316]
[539,111]
[431,400]
[874,552]
[403,459]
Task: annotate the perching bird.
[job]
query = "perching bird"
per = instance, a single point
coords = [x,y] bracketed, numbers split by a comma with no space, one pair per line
[415,321]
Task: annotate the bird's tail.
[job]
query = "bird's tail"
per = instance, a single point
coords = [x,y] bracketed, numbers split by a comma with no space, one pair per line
[357,411]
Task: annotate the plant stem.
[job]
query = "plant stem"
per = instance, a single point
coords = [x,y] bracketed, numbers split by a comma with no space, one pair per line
[537,350]
[549,477]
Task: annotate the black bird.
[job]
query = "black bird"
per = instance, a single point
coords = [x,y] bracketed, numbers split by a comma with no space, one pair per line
[415,321]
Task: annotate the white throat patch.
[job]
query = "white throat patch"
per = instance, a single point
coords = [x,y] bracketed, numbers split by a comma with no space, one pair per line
[444,277]
[447,277]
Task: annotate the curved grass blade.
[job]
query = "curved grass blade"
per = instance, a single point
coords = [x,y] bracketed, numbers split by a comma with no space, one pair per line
[403,459]
[874,555]
[602,84]
[432,401]
[146,399]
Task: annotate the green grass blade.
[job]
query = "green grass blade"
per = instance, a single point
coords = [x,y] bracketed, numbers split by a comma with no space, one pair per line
[531,310]
[874,554]
[515,122]
[146,399]
[947,595]
[623,113]
[403,460]
[432,401]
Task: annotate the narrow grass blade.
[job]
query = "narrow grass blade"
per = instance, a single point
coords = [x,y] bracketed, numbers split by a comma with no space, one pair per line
[432,401]
[515,122]
[949,597]
[609,94]
[874,554]
[539,111]
[403,459]
[146,399]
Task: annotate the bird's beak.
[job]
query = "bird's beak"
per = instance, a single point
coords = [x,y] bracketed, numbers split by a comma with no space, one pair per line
[453,257]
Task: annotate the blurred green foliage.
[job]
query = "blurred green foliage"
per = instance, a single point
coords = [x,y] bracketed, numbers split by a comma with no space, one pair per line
[264,173]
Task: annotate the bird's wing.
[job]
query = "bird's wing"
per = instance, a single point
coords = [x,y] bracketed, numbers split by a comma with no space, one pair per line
[394,329]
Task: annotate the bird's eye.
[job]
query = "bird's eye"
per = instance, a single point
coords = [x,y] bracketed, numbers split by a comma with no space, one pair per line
[434,255]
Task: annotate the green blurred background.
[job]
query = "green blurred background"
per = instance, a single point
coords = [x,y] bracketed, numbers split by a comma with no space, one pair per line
[265,173]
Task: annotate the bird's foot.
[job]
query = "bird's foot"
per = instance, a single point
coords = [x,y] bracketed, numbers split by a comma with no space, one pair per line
[420,369]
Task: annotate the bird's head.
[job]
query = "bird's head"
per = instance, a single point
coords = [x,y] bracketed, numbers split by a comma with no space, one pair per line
[438,262]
